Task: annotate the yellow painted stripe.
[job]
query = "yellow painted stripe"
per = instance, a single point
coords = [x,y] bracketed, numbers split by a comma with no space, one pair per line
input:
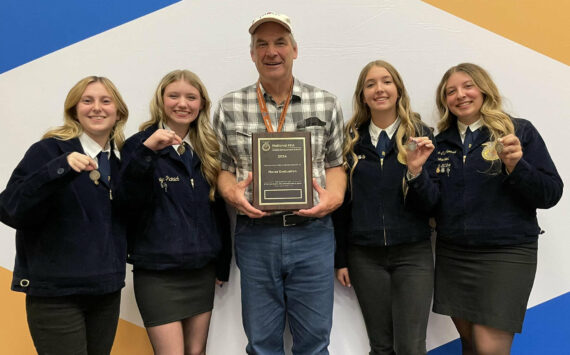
[540,25]
[15,336]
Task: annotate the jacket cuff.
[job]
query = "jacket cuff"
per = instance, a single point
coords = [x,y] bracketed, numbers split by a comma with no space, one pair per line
[340,259]
[223,268]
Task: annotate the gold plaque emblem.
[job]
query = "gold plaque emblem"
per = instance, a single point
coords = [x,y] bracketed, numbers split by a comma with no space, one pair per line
[489,153]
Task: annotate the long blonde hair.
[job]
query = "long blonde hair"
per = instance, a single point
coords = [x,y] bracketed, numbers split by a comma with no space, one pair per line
[72,128]
[410,125]
[202,136]
[495,119]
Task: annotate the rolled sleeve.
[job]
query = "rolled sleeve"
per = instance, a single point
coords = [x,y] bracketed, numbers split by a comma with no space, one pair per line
[334,144]
[219,125]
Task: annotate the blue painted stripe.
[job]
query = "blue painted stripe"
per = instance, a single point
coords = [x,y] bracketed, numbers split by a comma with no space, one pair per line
[33,28]
[546,330]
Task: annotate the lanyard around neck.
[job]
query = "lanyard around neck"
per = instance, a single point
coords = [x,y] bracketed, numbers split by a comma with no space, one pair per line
[265,114]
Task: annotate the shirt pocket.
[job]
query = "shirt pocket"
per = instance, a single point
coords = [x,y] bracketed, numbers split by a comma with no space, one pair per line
[319,137]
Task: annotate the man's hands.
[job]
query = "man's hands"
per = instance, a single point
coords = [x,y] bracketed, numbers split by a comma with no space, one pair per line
[330,198]
[234,193]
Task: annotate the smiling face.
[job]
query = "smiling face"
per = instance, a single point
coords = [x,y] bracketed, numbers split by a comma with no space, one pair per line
[380,93]
[182,104]
[273,52]
[97,112]
[463,97]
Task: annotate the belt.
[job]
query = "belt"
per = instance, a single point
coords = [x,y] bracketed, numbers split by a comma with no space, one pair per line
[285,220]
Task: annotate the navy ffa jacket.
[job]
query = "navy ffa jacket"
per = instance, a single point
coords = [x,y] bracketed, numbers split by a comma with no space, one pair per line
[478,203]
[376,211]
[172,223]
[69,236]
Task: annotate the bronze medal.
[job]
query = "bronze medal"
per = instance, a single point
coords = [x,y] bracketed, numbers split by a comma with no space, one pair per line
[95,175]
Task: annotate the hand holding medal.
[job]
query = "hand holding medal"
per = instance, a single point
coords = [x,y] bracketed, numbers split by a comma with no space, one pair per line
[161,139]
[81,162]
[509,151]
[419,149]
[412,144]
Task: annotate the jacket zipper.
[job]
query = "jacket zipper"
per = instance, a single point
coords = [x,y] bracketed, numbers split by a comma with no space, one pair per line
[383,224]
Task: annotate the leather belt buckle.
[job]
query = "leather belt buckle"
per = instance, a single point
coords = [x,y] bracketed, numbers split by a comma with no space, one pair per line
[284,216]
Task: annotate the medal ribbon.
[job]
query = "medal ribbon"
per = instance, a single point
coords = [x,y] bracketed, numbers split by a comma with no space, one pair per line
[265,114]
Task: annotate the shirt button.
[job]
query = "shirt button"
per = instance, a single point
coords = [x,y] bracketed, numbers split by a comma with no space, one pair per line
[60,171]
[148,158]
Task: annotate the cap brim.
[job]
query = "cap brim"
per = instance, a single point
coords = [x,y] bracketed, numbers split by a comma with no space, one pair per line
[260,22]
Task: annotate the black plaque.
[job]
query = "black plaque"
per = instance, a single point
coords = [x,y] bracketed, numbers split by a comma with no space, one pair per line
[282,171]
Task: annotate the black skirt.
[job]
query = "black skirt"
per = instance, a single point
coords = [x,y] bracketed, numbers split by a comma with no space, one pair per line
[487,285]
[166,296]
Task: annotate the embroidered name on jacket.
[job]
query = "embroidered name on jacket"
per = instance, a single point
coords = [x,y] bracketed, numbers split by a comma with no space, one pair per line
[164,181]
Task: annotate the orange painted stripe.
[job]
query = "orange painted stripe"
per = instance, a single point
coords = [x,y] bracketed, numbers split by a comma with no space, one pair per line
[15,336]
[541,26]
[131,339]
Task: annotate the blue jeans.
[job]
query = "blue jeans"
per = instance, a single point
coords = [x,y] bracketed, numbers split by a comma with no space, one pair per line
[286,272]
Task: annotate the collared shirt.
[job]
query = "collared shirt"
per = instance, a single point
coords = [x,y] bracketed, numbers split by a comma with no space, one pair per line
[92,148]
[462,128]
[313,110]
[390,130]
[186,139]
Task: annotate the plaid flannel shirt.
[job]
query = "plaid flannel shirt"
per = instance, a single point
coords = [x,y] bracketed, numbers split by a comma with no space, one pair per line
[311,109]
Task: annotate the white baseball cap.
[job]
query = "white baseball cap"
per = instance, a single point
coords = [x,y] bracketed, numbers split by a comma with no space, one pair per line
[281,19]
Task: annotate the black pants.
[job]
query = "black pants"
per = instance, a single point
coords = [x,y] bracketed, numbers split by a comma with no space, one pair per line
[394,287]
[73,325]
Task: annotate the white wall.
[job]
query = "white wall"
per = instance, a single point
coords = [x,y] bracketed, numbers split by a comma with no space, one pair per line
[336,39]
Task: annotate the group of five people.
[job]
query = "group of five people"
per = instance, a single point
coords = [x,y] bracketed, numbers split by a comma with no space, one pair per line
[83,201]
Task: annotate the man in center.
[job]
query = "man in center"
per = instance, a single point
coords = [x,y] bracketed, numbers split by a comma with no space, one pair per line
[286,262]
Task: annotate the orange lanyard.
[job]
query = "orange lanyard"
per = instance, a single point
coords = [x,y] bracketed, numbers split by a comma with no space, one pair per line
[265,114]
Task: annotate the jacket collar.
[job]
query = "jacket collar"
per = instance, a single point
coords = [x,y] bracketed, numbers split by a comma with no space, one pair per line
[365,142]
[451,136]
[70,145]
